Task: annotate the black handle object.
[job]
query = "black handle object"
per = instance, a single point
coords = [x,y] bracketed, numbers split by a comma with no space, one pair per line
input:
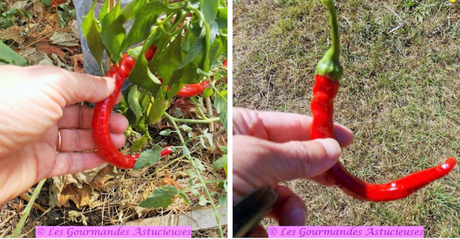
[252,209]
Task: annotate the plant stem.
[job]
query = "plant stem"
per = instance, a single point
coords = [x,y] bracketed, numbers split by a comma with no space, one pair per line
[172,161]
[209,107]
[203,183]
[162,22]
[207,182]
[207,39]
[194,121]
[194,101]
[335,28]
[329,65]
[26,213]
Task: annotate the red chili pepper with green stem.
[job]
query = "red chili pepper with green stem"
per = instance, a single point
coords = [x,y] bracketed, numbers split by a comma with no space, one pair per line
[328,75]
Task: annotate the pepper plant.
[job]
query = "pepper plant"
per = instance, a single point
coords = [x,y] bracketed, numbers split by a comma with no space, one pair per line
[181,43]
[171,48]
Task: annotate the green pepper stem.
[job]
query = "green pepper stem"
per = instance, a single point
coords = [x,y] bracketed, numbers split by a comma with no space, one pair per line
[335,28]
[329,65]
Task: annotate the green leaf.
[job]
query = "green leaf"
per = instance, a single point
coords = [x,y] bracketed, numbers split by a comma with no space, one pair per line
[9,56]
[193,33]
[208,92]
[113,33]
[104,10]
[186,151]
[145,20]
[202,200]
[187,75]
[141,75]
[140,143]
[65,13]
[195,52]
[128,10]
[161,197]
[220,103]
[165,132]
[7,21]
[141,126]
[206,135]
[222,19]
[170,58]
[158,108]
[222,185]
[199,164]
[148,157]
[216,50]
[195,4]
[223,200]
[186,128]
[19,13]
[209,9]
[221,163]
[47,2]
[185,197]
[133,101]
[91,29]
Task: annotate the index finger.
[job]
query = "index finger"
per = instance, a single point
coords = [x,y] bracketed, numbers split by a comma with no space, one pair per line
[281,127]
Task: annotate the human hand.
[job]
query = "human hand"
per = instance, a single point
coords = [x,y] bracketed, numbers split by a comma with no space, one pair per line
[272,147]
[36,103]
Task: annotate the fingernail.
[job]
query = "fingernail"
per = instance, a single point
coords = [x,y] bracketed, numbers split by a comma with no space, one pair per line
[297,214]
[332,148]
[298,217]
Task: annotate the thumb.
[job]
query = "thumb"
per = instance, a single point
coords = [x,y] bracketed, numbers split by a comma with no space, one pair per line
[304,159]
[258,163]
[77,87]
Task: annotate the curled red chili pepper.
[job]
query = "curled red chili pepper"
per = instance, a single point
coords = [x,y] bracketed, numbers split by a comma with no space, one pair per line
[328,74]
[102,111]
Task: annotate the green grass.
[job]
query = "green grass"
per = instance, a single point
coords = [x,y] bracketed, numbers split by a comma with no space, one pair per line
[399,95]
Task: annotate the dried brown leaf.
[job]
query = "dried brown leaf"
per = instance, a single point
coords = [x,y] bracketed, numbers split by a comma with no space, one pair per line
[35,57]
[81,188]
[12,33]
[104,175]
[37,8]
[170,181]
[56,3]
[76,216]
[47,48]
[64,39]
[81,197]
[77,61]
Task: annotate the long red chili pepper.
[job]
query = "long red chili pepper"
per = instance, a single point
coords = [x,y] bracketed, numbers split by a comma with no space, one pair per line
[102,111]
[190,90]
[328,73]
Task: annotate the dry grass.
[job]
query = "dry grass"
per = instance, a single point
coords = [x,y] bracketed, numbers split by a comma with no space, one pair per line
[399,95]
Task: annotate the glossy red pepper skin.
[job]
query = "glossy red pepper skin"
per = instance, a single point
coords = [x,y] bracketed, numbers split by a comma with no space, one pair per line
[100,120]
[324,92]
[190,90]
[150,52]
